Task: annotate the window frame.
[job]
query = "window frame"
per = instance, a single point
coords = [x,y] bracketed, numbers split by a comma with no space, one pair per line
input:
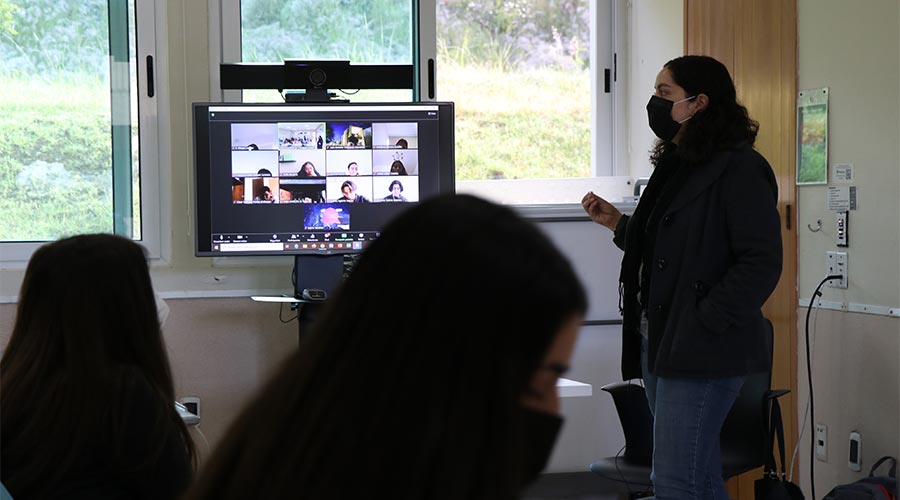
[608,110]
[152,118]
[225,46]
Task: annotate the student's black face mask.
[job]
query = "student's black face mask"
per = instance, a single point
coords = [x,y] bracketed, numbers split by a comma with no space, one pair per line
[659,113]
[541,429]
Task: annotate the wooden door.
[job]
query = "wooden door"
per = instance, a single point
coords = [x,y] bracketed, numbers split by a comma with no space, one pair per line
[757,41]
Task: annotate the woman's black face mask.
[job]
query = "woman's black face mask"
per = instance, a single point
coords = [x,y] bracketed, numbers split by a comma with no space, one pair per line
[541,430]
[659,113]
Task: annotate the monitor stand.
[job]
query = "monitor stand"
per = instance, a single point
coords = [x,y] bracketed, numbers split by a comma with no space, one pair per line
[317,278]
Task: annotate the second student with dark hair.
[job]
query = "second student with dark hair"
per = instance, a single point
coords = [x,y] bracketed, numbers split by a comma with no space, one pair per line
[449,394]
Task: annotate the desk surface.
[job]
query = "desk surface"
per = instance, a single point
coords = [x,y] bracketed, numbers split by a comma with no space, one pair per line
[570,388]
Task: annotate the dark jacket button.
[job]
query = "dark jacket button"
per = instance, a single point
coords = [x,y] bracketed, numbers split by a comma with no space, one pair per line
[661,264]
[699,286]
[667,220]
[660,308]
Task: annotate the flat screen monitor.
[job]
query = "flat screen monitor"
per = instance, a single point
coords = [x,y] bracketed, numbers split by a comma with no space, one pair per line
[313,179]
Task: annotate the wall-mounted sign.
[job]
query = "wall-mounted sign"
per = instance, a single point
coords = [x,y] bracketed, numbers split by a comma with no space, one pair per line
[843,172]
[812,136]
[841,198]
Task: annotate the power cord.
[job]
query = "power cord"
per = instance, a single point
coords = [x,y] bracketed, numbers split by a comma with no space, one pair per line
[806,408]
[624,479]
[281,310]
[202,436]
[812,405]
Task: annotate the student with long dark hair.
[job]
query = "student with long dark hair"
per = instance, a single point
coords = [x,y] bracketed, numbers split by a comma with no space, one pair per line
[308,170]
[702,255]
[431,375]
[86,393]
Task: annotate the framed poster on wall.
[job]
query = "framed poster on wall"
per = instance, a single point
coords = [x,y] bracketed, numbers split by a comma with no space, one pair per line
[812,136]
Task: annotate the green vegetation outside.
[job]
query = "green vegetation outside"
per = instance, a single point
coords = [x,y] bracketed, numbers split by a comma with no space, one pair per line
[55,161]
[519,124]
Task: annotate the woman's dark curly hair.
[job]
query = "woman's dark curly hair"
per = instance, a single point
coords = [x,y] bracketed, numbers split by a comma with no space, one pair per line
[723,124]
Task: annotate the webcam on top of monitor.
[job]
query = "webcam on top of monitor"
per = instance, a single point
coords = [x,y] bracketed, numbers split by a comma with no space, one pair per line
[311,79]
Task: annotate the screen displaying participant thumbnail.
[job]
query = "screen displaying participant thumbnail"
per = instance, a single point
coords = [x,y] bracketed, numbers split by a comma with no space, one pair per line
[254,163]
[261,190]
[395,189]
[327,216]
[301,135]
[349,189]
[395,135]
[254,190]
[341,135]
[237,190]
[348,162]
[254,136]
[395,162]
[303,190]
[301,163]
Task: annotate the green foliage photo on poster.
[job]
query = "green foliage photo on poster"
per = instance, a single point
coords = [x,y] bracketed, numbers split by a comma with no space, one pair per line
[812,140]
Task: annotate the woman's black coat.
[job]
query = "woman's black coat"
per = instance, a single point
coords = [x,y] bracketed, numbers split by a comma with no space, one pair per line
[716,259]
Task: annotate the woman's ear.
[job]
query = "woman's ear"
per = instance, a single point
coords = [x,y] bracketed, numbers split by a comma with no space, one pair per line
[701,102]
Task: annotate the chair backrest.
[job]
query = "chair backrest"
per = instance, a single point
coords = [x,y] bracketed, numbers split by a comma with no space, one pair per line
[636,420]
[745,431]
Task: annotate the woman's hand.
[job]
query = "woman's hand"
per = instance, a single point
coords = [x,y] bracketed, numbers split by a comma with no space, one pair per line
[601,211]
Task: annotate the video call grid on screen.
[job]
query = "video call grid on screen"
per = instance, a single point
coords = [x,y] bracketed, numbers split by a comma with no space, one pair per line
[293,162]
[268,159]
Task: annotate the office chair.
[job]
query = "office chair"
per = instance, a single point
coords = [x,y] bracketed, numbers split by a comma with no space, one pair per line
[631,469]
[744,433]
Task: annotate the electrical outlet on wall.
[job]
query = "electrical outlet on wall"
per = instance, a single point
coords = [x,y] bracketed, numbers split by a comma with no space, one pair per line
[192,403]
[842,229]
[836,263]
[854,460]
[822,442]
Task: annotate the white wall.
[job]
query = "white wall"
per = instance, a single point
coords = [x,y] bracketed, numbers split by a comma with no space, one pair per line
[854,49]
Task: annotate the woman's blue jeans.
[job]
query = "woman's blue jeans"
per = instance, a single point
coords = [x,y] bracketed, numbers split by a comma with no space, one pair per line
[688,414]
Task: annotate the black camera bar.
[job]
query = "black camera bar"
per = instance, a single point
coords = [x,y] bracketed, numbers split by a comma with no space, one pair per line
[315,77]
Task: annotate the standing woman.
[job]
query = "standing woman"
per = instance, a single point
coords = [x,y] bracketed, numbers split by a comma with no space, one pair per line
[702,255]
[86,394]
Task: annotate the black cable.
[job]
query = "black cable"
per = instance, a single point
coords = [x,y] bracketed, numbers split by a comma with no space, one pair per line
[624,479]
[281,318]
[812,406]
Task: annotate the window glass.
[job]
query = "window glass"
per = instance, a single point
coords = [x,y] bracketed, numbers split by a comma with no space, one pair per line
[68,101]
[519,72]
[363,31]
[533,82]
